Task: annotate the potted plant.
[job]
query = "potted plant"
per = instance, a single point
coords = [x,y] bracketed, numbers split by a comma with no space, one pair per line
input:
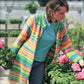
[43,2]
[3,34]
[15,21]
[5,60]
[2,21]
[66,72]
[32,7]
[14,33]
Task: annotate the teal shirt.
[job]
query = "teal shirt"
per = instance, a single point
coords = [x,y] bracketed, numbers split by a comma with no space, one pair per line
[46,41]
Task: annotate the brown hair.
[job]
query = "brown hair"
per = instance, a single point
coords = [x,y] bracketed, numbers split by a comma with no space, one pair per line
[55,6]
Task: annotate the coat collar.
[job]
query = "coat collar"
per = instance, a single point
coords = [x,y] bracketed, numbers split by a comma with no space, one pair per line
[40,19]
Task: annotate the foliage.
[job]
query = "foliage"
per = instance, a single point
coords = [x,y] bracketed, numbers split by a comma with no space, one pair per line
[15,21]
[77,36]
[3,33]
[2,21]
[5,60]
[43,2]
[14,33]
[32,7]
[63,73]
[65,19]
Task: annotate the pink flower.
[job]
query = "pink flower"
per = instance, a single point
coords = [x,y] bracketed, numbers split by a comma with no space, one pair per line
[82,69]
[1,43]
[83,47]
[70,61]
[76,67]
[79,52]
[57,59]
[80,75]
[63,59]
[61,53]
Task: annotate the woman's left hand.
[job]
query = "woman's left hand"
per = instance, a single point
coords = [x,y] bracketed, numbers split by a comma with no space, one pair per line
[81,62]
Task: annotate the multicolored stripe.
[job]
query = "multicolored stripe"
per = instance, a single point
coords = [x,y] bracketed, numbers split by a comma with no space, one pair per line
[25,46]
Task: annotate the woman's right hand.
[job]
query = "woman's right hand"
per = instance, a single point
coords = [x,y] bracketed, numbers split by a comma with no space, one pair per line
[12,59]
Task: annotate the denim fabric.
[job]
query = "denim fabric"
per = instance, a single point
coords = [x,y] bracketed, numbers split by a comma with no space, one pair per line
[37,73]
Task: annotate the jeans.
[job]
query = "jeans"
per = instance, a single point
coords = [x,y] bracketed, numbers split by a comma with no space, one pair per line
[37,73]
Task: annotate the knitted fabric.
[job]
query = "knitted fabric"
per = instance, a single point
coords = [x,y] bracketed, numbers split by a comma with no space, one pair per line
[26,43]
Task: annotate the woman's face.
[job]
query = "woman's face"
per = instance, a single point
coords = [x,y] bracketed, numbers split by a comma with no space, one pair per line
[59,15]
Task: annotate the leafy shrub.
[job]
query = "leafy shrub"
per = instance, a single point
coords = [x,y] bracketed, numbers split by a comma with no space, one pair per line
[77,36]
[32,7]
[14,33]
[6,34]
[3,34]
[43,2]
[15,21]
[5,52]
[2,21]
[64,73]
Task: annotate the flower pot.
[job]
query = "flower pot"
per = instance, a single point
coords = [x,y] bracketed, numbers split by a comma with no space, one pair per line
[2,22]
[43,2]
[32,10]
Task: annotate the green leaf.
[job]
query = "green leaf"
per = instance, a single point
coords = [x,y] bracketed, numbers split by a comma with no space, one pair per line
[1,56]
[3,64]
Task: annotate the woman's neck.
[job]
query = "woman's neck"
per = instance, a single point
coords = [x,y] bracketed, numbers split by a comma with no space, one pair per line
[52,20]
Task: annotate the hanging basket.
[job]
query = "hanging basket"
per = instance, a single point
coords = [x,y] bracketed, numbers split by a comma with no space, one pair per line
[43,3]
[32,7]
[32,10]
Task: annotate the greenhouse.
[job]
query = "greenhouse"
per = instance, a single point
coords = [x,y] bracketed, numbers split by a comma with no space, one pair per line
[15,15]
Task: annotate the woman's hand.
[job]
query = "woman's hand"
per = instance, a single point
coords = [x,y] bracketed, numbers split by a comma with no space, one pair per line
[12,59]
[81,62]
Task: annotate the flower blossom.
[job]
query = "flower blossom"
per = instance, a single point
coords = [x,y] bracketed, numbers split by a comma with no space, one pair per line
[76,67]
[82,69]
[70,61]
[61,53]
[62,59]
[1,43]
[79,52]
[80,75]
[83,47]
[57,59]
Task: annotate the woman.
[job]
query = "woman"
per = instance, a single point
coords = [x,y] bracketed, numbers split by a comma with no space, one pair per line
[39,43]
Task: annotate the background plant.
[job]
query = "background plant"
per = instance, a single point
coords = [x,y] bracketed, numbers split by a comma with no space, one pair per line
[5,52]
[2,21]
[32,7]
[63,72]
[77,36]
[3,33]
[11,33]
[14,33]
[43,2]
[15,21]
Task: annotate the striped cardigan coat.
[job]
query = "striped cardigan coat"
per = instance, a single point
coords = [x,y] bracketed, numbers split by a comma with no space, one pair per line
[25,47]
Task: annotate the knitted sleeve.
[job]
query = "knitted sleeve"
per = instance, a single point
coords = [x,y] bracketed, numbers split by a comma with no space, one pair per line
[25,34]
[68,48]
